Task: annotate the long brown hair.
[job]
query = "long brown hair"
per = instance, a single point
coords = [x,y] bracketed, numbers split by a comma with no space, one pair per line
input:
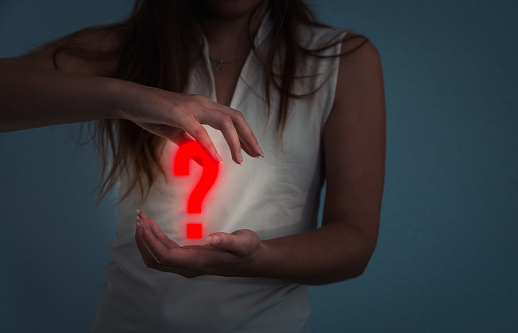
[162,37]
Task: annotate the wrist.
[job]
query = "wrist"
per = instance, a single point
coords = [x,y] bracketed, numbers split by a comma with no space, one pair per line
[120,98]
[258,265]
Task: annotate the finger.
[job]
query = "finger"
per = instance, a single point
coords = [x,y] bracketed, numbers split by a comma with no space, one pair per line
[178,136]
[151,262]
[193,128]
[245,147]
[175,135]
[246,134]
[147,256]
[149,224]
[223,122]
[237,244]
[152,243]
[226,126]
[171,254]
[242,127]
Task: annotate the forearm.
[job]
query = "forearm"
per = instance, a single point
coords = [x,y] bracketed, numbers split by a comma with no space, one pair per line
[34,97]
[329,254]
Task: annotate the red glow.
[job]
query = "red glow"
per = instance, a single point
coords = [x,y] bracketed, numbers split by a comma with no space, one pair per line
[194,231]
[207,179]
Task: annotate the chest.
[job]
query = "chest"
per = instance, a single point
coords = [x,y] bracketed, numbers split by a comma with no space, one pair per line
[226,77]
[241,86]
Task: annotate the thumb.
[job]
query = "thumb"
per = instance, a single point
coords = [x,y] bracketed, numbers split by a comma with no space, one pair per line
[229,242]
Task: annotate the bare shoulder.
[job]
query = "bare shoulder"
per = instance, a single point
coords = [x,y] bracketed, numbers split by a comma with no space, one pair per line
[358,48]
[357,118]
[360,70]
[88,51]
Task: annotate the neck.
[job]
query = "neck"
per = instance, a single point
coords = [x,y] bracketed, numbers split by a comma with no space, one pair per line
[228,36]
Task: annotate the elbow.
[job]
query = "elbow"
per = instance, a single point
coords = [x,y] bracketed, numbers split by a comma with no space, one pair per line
[354,270]
[364,249]
[358,265]
[347,272]
[366,256]
[360,269]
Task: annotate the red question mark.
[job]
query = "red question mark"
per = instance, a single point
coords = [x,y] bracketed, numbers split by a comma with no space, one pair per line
[207,179]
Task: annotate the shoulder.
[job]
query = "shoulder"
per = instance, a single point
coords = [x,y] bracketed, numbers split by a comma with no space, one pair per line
[316,36]
[359,68]
[322,38]
[358,47]
[90,51]
[359,87]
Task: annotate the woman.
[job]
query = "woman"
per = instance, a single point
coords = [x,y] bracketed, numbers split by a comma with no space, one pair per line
[310,101]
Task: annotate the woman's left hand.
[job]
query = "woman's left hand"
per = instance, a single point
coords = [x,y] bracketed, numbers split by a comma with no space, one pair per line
[234,254]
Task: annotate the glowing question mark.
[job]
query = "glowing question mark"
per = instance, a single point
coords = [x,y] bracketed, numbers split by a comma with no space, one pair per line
[207,179]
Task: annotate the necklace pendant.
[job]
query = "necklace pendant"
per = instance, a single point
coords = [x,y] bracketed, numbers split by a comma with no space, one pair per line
[219,67]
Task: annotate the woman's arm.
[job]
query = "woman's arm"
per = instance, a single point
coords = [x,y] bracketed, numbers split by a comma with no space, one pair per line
[34,94]
[354,144]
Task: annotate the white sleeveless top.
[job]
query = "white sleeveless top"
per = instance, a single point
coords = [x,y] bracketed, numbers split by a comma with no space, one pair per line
[275,196]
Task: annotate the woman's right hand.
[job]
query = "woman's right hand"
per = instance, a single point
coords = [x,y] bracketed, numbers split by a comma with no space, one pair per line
[34,94]
[178,117]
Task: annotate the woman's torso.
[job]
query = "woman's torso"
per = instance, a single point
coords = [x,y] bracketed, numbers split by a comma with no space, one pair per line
[275,196]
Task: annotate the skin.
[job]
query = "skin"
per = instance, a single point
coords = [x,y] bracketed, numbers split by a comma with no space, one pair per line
[354,149]
[225,25]
[35,95]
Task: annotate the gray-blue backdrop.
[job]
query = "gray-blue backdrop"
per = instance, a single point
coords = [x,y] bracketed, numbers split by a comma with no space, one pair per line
[447,255]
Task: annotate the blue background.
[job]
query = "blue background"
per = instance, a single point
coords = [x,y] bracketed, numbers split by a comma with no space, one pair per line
[447,254]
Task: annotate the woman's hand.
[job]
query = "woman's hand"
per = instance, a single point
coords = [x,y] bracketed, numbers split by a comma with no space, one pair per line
[178,117]
[34,94]
[224,254]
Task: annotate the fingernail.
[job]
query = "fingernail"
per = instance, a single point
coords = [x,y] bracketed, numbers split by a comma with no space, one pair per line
[139,227]
[259,150]
[214,240]
[218,158]
[240,157]
[138,212]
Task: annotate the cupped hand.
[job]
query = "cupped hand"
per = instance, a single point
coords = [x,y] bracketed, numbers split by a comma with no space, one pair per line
[235,254]
[179,118]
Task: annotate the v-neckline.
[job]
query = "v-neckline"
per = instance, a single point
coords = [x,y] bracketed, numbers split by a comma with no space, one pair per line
[238,84]
[263,30]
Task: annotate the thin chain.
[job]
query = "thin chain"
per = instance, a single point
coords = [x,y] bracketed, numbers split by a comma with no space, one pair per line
[220,62]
